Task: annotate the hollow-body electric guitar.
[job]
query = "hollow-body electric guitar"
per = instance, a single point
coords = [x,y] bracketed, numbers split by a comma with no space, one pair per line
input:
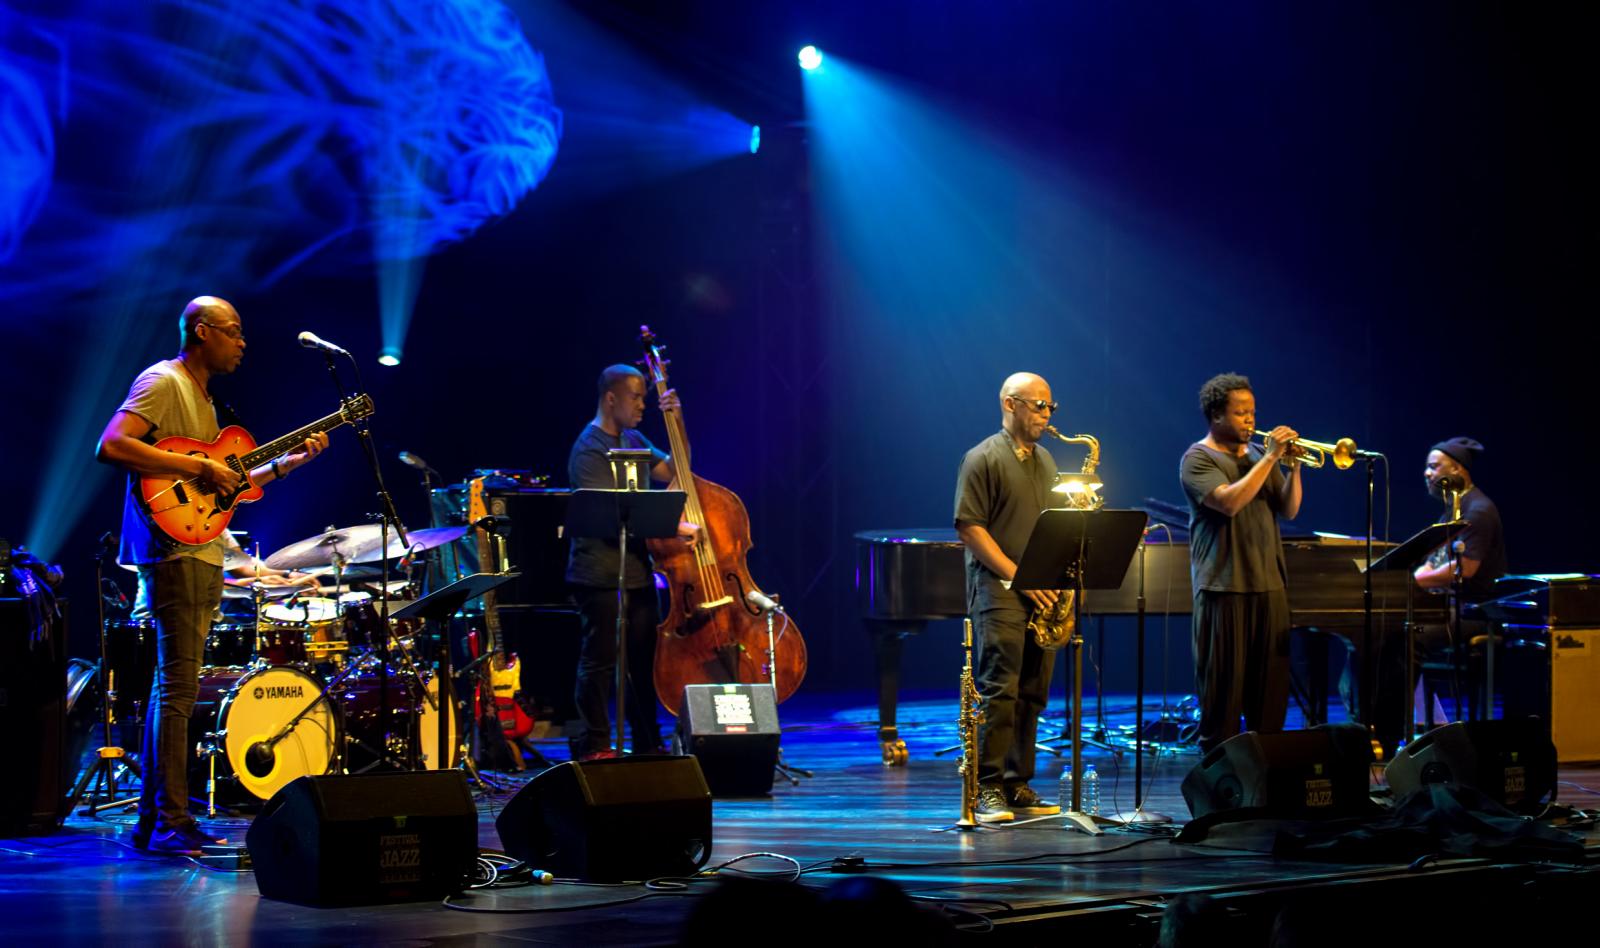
[191,510]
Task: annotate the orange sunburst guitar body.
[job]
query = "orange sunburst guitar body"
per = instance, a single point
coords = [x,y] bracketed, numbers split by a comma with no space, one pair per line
[190,510]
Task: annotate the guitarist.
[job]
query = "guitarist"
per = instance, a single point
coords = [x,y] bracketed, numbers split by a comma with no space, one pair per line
[592,574]
[182,582]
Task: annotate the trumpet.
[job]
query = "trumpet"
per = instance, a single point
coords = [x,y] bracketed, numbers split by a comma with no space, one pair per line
[1316,453]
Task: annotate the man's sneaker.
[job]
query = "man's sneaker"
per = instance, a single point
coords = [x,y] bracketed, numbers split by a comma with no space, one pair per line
[1027,802]
[992,807]
[185,840]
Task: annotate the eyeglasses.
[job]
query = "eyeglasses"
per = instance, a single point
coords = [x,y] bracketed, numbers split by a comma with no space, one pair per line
[1037,404]
[232,332]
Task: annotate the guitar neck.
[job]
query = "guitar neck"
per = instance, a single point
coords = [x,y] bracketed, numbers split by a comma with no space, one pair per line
[293,439]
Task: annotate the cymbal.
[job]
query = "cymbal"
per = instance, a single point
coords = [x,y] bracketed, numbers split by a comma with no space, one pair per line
[420,540]
[319,550]
[231,591]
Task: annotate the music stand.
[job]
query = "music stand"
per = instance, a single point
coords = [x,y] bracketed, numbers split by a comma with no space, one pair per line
[440,605]
[1407,556]
[603,514]
[1080,549]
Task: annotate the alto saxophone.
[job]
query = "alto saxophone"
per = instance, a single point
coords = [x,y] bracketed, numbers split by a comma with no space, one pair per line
[1053,627]
[967,725]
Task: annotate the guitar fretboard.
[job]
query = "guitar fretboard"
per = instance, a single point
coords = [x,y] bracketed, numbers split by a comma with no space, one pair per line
[293,439]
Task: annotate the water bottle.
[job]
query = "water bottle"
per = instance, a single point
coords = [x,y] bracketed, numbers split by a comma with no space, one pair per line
[1091,790]
[1066,788]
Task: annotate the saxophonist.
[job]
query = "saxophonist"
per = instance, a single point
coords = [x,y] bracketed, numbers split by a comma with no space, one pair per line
[1005,483]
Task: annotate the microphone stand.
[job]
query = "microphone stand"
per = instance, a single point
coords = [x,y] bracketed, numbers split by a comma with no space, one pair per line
[388,517]
[784,770]
[109,754]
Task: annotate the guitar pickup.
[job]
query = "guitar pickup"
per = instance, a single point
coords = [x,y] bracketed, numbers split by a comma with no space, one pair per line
[179,494]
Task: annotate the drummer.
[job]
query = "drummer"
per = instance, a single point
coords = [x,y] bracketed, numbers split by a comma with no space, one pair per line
[241,571]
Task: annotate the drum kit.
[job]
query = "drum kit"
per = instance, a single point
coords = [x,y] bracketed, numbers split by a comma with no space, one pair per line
[307,684]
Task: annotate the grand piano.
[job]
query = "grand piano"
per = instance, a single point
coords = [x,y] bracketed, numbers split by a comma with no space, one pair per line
[907,578]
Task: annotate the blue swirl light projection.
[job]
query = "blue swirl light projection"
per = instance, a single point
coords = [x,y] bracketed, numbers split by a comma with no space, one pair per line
[332,130]
[154,150]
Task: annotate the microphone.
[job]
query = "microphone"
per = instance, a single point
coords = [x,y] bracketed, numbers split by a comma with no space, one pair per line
[258,760]
[312,341]
[763,602]
[1452,482]
[407,458]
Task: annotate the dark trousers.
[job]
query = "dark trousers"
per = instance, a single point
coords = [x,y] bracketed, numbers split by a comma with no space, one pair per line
[597,667]
[1013,679]
[1392,695]
[1241,662]
[183,595]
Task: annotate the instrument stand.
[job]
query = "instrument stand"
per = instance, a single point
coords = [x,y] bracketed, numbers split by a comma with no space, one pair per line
[632,511]
[781,769]
[103,773]
[437,607]
[1407,556]
[389,517]
[1086,549]
[1140,814]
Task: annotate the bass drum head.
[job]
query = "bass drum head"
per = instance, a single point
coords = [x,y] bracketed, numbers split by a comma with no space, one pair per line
[264,701]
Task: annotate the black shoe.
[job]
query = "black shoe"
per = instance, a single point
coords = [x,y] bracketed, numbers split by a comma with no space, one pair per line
[1027,802]
[992,807]
[185,840]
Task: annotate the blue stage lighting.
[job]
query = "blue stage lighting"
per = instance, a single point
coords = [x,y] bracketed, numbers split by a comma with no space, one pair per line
[389,357]
[810,58]
[755,139]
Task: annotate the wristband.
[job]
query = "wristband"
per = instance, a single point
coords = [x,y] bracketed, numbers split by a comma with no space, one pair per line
[276,473]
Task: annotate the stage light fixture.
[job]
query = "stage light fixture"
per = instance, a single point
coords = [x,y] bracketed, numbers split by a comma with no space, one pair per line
[755,139]
[389,357]
[810,58]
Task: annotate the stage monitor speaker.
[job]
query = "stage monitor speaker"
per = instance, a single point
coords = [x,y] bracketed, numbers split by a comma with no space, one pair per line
[368,838]
[627,819]
[1312,774]
[1512,761]
[33,691]
[733,731]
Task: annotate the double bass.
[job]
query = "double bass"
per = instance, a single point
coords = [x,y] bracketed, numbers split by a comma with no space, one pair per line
[711,633]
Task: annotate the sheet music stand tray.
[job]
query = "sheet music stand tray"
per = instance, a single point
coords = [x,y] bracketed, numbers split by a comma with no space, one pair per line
[1079,550]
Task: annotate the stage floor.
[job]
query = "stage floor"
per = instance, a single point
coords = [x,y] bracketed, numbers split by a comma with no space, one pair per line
[1032,879]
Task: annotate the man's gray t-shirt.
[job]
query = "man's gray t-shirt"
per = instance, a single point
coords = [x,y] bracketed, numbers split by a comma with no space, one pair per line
[171,401]
[1005,496]
[1237,554]
[593,561]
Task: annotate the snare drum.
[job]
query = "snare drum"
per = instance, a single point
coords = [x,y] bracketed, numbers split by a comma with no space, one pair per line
[301,632]
[240,708]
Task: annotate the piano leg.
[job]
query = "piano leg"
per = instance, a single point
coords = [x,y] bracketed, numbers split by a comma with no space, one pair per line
[887,639]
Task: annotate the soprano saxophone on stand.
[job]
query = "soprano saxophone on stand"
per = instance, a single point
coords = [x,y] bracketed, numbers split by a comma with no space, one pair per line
[967,725]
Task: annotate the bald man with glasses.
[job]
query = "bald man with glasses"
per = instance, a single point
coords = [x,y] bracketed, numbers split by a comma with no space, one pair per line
[1004,485]
[180,582]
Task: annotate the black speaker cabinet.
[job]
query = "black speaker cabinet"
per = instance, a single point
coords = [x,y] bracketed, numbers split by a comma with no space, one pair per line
[354,840]
[33,688]
[1512,761]
[733,731]
[1312,774]
[632,818]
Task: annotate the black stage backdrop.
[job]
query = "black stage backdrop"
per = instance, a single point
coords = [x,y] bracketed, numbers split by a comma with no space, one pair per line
[1396,203]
